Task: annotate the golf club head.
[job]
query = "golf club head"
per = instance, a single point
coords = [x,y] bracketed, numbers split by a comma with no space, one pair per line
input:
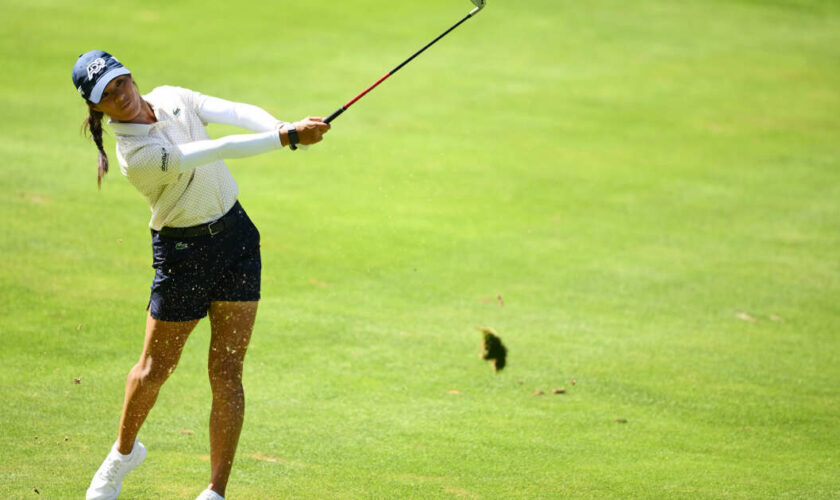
[479,3]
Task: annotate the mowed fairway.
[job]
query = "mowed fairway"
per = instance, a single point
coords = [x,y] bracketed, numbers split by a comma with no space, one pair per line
[642,197]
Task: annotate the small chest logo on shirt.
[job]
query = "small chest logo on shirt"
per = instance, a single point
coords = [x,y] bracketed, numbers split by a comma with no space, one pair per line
[180,245]
[176,111]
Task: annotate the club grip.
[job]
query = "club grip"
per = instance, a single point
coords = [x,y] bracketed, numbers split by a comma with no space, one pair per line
[335,114]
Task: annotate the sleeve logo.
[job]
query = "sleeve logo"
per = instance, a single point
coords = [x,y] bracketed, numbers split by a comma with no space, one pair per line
[95,67]
[164,159]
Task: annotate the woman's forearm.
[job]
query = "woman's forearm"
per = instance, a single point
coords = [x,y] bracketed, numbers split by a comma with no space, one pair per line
[197,153]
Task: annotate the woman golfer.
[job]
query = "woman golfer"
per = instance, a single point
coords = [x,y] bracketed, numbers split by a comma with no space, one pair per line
[206,251]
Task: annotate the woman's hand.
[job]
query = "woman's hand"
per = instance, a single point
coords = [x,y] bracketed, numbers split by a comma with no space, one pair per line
[310,130]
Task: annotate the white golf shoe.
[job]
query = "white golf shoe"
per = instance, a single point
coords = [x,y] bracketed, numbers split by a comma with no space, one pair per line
[107,482]
[209,494]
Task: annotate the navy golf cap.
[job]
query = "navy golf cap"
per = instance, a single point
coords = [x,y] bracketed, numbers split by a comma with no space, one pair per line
[93,71]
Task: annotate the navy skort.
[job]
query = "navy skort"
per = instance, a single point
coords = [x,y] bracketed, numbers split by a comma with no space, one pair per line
[190,273]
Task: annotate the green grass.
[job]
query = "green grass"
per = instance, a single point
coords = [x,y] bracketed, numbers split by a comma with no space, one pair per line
[653,188]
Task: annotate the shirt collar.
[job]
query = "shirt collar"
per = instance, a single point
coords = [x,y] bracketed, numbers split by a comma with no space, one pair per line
[130,128]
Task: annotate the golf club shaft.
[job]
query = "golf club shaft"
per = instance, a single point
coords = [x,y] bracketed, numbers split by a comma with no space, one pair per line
[385,77]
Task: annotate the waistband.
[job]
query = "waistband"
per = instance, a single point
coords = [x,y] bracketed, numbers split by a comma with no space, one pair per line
[215,227]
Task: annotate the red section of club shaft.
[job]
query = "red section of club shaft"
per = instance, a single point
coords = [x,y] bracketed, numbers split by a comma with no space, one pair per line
[351,101]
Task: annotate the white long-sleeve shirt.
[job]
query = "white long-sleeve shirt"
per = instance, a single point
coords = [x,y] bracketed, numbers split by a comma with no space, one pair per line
[174,163]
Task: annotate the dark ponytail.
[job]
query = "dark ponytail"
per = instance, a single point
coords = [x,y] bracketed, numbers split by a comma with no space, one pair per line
[93,123]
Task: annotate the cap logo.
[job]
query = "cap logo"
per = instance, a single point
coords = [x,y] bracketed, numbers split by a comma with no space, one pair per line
[81,90]
[95,67]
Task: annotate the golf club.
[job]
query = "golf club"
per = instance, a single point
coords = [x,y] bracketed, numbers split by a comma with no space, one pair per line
[479,4]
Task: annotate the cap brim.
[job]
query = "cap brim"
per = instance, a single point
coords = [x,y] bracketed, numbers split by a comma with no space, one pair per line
[104,80]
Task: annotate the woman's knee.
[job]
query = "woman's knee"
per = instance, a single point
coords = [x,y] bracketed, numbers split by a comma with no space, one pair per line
[149,371]
[225,377]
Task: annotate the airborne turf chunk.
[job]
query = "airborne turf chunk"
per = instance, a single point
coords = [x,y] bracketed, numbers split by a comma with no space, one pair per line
[493,348]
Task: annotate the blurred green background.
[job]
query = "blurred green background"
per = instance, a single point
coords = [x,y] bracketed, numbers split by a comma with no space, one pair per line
[651,187]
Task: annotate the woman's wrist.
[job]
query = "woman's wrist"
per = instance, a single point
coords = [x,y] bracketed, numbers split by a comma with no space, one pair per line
[284,135]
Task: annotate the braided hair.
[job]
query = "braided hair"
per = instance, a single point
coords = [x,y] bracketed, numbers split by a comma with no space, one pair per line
[93,124]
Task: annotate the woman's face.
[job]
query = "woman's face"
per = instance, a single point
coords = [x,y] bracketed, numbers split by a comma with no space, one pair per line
[120,100]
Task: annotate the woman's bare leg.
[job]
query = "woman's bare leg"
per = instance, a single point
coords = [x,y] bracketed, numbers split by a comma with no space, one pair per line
[231,325]
[161,352]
